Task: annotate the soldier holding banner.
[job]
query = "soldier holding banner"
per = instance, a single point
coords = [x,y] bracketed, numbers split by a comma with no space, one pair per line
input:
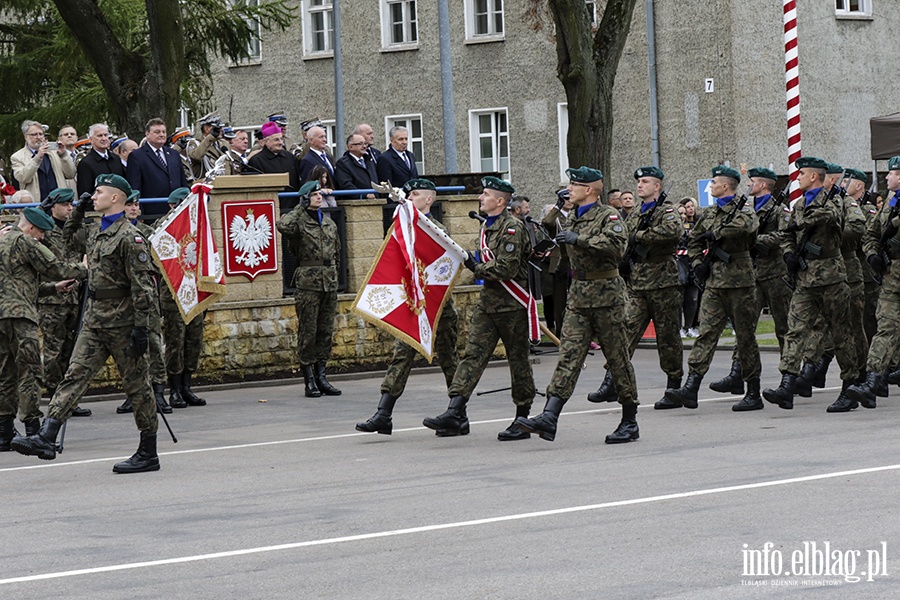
[505,311]
[421,192]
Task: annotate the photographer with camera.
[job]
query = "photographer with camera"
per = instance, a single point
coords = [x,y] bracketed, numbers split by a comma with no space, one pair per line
[41,166]
[203,156]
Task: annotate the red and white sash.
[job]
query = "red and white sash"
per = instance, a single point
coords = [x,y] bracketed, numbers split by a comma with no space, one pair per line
[514,288]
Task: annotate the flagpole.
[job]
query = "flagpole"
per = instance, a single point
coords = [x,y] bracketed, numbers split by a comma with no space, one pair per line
[792,91]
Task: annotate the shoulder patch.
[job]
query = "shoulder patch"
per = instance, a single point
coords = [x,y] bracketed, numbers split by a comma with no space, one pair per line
[510,247]
[617,228]
[854,204]
[873,211]
[668,210]
[138,239]
[613,217]
[511,231]
[670,217]
[142,256]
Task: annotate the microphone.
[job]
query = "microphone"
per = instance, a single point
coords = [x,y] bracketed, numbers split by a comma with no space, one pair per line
[474,215]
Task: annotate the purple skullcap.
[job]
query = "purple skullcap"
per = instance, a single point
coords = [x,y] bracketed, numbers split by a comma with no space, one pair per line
[270,129]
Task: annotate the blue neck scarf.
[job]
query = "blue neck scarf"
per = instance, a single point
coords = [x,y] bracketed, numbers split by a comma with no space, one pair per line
[761,200]
[723,202]
[134,222]
[895,199]
[811,195]
[107,221]
[583,209]
[647,206]
[316,214]
[491,220]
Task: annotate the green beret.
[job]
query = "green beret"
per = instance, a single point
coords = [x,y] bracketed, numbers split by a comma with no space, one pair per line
[418,184]
[811,162]
[762,172]
[113,180]
[178,195]
[856,174]
[495,183]
[60,196]
[894,164]
[726,172]
[133,197]
[308,188]
[834,169]
[648,172]
[38,218]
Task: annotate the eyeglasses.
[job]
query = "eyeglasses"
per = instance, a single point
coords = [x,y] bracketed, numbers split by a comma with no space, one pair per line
[34,135]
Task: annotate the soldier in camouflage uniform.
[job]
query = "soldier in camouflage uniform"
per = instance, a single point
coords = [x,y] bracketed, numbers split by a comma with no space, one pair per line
[116,321]
[505,248]
[654,291]
[882,247]
[728,234]
[155,355]
[58,313]
[421,192]
[771,290]
[814,235]
[184,342]
[595,240]
[22,260]
[313,240]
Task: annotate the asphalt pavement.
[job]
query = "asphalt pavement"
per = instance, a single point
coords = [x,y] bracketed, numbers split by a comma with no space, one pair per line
[271,495]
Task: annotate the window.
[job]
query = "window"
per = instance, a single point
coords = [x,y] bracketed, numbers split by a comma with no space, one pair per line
[254,46]
[592,10]
[853,8]
[399,25]
[331,132]
[413,124]
[489,140]
[484,20]
[318,28]
[562,119]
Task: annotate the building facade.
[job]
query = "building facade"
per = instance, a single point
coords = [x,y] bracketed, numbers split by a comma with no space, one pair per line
[510,108]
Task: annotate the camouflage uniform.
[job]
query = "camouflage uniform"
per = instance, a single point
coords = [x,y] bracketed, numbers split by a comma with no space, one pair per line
[120,293]
[654,291]
[316,246]
[559,268]
[595,302]
[871,289]
[184,342]
[821,288]
[498,315]
[22,260]
[58,314]
[444,346]
[155,348]
[203,156]
[730,289]
[770,268]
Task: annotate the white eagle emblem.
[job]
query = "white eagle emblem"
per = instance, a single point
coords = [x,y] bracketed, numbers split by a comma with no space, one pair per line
[251,237]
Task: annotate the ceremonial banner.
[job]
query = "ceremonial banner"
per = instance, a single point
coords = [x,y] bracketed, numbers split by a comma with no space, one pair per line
[411,279]
[249,236]
[185,251]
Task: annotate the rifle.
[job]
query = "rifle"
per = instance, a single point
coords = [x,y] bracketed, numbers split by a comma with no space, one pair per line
[779,200]
[878,276]
[867,195]
[82,305]
[713,250]
[806,248]
[634,247]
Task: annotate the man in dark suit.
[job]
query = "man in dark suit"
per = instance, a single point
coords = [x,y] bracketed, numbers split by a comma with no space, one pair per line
[317,155]
[354,170]
[365,130]
[397,164]
[154,168]
[98,161]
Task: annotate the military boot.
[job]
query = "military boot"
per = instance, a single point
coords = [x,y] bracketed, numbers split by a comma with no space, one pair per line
[322,383]
[802,385]
[545,423]
[606,392]
[685,396]
[893,377]
[451,422]
[514,432]
[43,444]
[864,393]
[159,392]
[175,398]
[381,421]
[627,431]
[7,432]
[672,383]
[81,412]
[752,400]
[32,427]
[309,381]
[190,398]
[783,395]
[819,372]
[125,407]
[844,403]
[145,459]
[731,383]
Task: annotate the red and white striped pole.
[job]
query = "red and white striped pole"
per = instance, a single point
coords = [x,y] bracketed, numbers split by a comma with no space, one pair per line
[792,88]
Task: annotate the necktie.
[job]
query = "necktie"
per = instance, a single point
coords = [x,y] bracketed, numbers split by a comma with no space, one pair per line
[362,162]
[327,162]
[406,160]
[162,157]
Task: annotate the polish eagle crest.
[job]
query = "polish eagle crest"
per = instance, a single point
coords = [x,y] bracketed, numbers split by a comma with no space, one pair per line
[250,236]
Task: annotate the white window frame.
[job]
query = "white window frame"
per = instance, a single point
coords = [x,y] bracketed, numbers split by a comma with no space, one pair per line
[307,11]
[475,136]
[592,9]
[842,9]
[254,46]
[330,127]
[416,143]
[562,120]
[492,35]
[410,22]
